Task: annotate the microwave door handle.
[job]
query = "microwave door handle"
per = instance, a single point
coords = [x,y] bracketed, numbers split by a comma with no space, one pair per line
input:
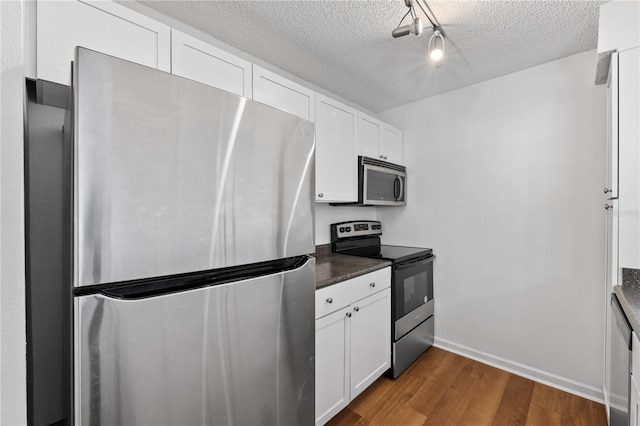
[395,188]
[400,188]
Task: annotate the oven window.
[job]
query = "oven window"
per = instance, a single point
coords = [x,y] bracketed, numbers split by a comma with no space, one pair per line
[409,290]
[413,286]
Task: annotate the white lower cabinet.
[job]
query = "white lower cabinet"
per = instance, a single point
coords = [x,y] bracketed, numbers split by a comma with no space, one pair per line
[353,339]
[333,363]
[370,340]
[634,397]
[634,404]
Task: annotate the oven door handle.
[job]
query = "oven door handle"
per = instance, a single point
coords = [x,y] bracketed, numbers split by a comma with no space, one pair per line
[414,263]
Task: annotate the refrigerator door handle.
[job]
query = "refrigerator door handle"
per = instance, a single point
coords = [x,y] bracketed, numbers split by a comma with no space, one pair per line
[160,286]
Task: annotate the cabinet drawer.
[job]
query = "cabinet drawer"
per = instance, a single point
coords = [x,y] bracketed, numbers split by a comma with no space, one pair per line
[347,292]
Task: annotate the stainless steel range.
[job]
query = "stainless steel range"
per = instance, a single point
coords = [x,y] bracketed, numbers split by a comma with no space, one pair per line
[412,311]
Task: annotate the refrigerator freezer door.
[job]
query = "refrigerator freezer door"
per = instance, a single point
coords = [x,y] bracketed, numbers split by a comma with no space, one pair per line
[172,176]
[240,353]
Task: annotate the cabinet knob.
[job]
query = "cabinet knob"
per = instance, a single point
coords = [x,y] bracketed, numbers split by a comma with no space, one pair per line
[320,195]
[608,206]
[329,300]
[349,314]
[381,157]
[372,284]
[385,157]
[606,190]
[355,308]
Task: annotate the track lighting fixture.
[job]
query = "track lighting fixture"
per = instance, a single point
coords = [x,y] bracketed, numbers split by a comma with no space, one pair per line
[436,42]
[436,52]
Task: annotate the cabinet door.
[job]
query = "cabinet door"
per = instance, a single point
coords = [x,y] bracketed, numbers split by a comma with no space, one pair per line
[634,403]
[335,151]
[368,136]
[611,259]
[370,340]
[611,177]
[390,143]
[629,146]
[200,61]
[332,364]
[278,92]
[103,26]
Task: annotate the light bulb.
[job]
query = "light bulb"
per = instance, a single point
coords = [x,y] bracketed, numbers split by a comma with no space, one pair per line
[436,52]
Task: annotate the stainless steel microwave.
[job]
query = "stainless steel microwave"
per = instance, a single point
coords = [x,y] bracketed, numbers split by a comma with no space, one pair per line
[381,183]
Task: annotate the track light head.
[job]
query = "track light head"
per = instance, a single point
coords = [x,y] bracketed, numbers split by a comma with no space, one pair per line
[436,48]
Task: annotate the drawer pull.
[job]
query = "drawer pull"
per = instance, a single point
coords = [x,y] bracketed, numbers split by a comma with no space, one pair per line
[329,300]
[372,284]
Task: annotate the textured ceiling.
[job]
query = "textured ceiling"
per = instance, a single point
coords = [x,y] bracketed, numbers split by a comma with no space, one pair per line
[346,46]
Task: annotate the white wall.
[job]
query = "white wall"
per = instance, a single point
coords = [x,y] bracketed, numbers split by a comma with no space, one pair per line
[13,394]
[505,182]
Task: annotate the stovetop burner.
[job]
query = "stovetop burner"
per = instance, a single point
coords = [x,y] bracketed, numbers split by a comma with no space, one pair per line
[362,238]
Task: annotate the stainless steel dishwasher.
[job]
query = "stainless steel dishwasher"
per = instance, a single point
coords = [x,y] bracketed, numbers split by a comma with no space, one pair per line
[619,365]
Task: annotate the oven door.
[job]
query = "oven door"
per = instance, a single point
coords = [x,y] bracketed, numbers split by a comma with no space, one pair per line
[413,292]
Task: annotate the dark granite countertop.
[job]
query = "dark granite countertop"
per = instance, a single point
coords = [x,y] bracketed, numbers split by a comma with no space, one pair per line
[334,268]
[629,298]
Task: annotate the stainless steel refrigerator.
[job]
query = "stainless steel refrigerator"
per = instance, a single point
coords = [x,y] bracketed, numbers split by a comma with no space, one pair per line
[193,224]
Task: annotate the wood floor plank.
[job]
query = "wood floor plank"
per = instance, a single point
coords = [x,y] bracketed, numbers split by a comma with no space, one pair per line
[437,380]
[394,408]
[485,396]
[442,388]
[347,417]
[514,406]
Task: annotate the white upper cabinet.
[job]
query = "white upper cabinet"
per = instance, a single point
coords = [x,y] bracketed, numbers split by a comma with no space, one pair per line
[103,26]
[390,142]
[611,178]
[196,60]
[368,136]
[629,153]
[279,92]
[336,172]
[377,139]
[618,25]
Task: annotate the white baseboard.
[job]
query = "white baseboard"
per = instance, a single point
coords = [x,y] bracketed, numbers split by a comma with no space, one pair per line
[585,391]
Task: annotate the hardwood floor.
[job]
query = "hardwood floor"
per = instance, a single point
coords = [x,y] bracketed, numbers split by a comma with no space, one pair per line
[443,388]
